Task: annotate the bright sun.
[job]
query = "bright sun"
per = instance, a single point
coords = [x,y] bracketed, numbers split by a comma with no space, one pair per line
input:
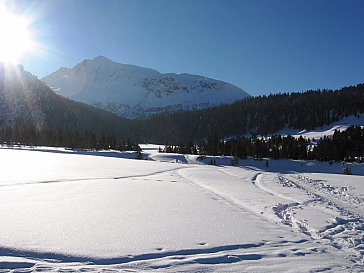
[15,36]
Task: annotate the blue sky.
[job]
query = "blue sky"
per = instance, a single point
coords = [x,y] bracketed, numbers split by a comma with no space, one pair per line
[261,46]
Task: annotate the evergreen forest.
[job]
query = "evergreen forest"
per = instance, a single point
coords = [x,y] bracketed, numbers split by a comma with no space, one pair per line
[255,115]
[345,145]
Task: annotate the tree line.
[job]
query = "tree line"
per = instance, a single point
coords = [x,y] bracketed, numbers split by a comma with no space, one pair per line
[20,135]
[347,145]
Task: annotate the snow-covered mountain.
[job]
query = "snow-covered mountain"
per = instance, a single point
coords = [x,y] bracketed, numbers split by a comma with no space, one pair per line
[132,91]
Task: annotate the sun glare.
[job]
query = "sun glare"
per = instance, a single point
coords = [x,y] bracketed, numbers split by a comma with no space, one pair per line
[15,36]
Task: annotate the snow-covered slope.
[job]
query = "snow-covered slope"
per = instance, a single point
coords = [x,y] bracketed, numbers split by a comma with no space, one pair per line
[327,130]
[88,212]
[132,91]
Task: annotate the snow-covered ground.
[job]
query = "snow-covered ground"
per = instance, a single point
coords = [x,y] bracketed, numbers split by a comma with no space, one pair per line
[66,211]
[327,130]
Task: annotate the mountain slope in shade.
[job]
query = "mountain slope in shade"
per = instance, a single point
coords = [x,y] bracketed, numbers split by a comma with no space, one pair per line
[27,102]
[132,91]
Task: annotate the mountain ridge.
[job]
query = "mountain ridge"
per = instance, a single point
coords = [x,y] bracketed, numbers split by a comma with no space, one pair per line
[135,92]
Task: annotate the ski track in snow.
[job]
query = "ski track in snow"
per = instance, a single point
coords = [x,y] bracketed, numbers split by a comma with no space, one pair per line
[271,252]
[297,194]
[345,233]
[258,184]
[88,178]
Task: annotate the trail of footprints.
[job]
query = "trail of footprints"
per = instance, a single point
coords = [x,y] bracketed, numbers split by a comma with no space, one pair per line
[345,232]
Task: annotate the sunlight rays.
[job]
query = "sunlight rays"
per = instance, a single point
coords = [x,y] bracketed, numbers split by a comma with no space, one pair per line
[16,36]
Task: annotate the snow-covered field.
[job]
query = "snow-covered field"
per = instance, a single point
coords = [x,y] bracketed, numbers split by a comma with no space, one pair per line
[65,211]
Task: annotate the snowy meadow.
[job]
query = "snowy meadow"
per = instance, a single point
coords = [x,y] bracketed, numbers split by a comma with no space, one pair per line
[69,211]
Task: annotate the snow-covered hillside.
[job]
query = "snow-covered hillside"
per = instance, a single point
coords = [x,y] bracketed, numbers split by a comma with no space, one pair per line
[132,91]
[327,130]
[100,211]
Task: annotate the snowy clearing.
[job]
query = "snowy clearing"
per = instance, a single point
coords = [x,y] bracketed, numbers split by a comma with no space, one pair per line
[66,211]
[327,130]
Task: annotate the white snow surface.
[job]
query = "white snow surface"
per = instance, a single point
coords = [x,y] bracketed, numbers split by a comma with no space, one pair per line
[97,211]
[132,91]
[327,130]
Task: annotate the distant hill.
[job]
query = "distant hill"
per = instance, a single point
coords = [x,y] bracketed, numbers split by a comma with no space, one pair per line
[136,92]
[257,115]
